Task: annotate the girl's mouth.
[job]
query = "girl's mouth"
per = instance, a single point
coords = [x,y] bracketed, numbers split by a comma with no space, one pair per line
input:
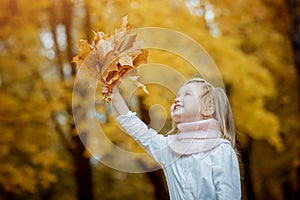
[177,106]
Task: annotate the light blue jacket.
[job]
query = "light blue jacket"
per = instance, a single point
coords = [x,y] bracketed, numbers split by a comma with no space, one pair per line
[209,175]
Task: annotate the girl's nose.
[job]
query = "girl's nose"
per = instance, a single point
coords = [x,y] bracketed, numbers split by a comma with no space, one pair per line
[176,100]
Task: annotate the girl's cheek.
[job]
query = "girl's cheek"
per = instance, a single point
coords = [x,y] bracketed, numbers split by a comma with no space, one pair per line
[172,108]
[175,118]
[172,112]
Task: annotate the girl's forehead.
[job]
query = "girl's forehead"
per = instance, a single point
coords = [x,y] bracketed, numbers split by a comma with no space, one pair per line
[192,87]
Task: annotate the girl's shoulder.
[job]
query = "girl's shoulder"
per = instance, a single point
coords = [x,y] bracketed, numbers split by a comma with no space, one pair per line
[224,147]
[223,152]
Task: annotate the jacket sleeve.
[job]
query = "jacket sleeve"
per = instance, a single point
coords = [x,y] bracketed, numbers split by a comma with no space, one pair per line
[155,144]
[226,174]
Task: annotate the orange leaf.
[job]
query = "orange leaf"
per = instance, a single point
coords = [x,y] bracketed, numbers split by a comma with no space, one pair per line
[84,50]
[141,58]
[126,60]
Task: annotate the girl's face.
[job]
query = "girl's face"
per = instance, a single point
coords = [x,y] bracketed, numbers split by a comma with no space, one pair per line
[186,107]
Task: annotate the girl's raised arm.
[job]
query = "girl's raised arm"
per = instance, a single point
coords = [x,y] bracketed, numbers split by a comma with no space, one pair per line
[117,100]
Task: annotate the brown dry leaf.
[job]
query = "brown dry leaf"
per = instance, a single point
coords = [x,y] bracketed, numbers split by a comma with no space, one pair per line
[141,58]
[84,49]
[126,60]
[138,84]
[99,36]
[112,57]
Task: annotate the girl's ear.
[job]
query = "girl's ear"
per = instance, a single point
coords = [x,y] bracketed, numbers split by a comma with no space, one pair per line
[208,110]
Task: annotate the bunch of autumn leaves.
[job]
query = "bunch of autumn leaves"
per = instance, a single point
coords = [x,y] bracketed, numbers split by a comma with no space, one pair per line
[112,57]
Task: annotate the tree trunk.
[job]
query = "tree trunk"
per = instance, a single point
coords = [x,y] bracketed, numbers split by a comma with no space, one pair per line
[294,35]
[81,160]
[67,21]
[71,141]
[245,156]
[157,177]
[83,171]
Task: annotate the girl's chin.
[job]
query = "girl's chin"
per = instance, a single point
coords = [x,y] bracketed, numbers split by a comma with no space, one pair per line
[176,118]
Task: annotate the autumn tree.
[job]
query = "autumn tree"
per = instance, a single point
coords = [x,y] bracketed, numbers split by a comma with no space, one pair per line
[264,34]
[30,162]
[60,19]
[40,93]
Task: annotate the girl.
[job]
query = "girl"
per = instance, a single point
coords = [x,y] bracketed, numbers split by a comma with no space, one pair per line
[199,161]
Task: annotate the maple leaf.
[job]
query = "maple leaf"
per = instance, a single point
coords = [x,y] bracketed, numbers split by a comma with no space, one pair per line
[84,49]
[111,58]
[99,36]
[138,84]
[126,60]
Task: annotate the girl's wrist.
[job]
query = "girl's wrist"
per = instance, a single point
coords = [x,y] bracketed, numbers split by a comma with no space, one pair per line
[115,95]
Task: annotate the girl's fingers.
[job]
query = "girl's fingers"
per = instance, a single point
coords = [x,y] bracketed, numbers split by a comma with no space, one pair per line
[105,89]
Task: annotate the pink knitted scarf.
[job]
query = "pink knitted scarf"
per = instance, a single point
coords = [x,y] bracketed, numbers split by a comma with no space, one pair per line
[196,137]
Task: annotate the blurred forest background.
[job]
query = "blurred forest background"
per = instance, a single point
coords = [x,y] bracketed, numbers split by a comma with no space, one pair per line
[255,44]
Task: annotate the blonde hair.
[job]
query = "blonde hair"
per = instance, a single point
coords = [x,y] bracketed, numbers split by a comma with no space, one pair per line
[215,104]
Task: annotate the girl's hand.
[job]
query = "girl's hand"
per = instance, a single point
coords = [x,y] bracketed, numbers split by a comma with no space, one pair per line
[105,89]
[109,91]
[116,98]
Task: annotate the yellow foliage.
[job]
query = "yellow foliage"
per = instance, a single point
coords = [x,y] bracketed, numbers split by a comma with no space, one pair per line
[14,178]
[46,177]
